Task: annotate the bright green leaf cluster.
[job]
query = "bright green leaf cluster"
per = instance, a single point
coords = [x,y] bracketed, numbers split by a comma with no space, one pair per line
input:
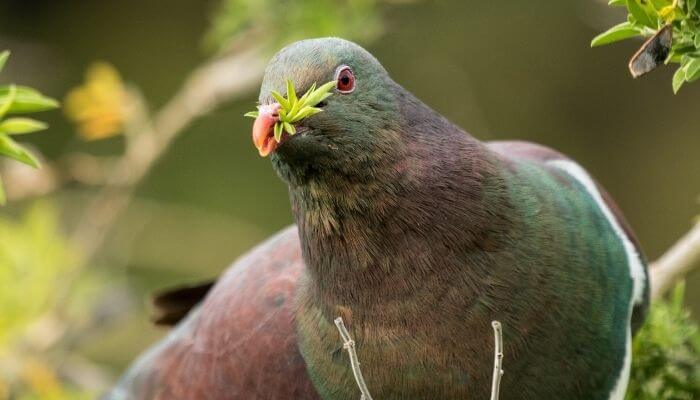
[646,17]
[18,100]
[293,109]
[666,353]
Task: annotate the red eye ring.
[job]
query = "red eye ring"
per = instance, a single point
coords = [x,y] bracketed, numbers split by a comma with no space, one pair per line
[344,80]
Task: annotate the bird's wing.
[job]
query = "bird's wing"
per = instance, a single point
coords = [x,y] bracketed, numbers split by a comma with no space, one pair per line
[543,155]
[239,343]
[173,304]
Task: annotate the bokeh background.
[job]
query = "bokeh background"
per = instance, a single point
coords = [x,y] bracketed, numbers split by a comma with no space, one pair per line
[502,70]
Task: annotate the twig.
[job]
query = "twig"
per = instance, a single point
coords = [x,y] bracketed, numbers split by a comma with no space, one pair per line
[349,345]
[675,263]
[218,81]
[497,360]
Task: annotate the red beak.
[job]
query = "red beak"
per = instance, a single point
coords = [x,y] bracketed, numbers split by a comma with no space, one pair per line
[263,132]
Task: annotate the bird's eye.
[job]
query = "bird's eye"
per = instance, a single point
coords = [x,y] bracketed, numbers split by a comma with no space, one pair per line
[345,80]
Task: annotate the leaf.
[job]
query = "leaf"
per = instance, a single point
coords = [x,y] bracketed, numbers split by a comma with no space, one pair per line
[320,94]
[618,32]
[291,94]
[697,40]
[677,296]
[278,132]
[3,198]
[3,59]
[692,70]
[18,126]
[289,128]
[27,100]
[6,103]
[252,114]
[280,99]
[305,112]
[293,109]
[678,79]
[640,15]
[304,98]
[10,148]
[617,3]
[682,49]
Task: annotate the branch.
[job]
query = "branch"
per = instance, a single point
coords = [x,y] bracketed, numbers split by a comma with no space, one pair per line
[677,262]
[218,81]
[349,345]
[497,360]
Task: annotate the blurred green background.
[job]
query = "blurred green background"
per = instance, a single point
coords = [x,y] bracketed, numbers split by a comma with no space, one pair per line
[502,70]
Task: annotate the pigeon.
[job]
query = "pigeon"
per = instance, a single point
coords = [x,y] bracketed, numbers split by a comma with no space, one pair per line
[418,236]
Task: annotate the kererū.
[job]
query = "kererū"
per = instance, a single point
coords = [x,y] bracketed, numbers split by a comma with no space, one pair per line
[418,235]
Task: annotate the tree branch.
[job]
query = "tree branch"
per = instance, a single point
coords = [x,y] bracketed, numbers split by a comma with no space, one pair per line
[218,81]
[677,262]
[349,345]
[497,360]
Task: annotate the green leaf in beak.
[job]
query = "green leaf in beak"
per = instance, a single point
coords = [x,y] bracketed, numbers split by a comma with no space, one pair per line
[278,132]
[284,103]
[291,94]
[293,109]
[289,128]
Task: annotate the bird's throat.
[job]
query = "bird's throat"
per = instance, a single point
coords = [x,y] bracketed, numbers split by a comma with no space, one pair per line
[377,229]
[364,241]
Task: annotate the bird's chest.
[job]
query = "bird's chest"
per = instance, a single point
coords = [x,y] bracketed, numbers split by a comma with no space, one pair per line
[404,352]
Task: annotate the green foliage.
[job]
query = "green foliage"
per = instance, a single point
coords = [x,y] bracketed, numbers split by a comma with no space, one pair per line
[26,100]
[647,17]
[44,297]
[27,244]
[618,32]
[276,22]
[15,100]
[666,354]
[293,109]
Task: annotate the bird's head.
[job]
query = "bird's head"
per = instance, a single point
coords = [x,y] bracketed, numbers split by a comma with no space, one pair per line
[356,126]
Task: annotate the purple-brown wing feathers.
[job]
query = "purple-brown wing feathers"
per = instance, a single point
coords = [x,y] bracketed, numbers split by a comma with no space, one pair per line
[240,343]
[174,304]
